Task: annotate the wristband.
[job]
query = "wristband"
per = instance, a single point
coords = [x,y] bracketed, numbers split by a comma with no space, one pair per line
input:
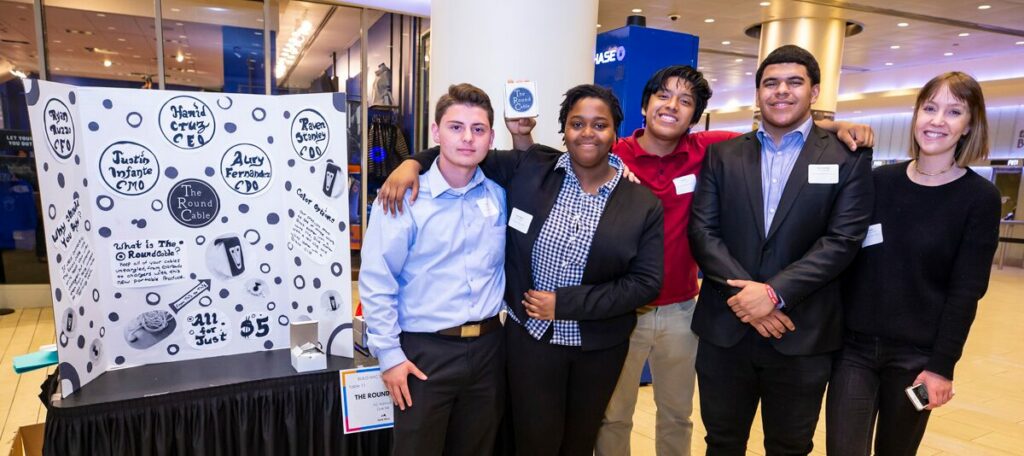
[771,295]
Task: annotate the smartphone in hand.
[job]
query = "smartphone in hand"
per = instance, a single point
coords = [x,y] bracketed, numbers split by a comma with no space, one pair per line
[918,395]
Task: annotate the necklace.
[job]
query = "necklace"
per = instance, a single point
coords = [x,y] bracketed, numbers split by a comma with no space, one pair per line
[917,167]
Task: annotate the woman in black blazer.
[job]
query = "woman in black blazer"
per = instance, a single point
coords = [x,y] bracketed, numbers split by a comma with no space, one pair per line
[583,251]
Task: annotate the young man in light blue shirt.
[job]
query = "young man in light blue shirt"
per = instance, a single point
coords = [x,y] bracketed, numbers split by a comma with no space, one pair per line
[431,284]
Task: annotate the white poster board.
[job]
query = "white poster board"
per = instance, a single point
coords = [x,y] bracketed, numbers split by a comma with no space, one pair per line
[185,225]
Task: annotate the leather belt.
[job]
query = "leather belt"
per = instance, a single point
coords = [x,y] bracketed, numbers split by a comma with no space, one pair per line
[473,329]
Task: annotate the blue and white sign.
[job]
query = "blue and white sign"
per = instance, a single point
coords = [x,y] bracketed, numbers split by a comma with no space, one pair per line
[521,99]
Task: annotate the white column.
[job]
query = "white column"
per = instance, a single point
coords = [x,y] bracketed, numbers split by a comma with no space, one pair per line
[821,36]
[487,42]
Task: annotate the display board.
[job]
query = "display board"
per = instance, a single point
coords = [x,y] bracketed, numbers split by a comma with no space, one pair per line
[183,225]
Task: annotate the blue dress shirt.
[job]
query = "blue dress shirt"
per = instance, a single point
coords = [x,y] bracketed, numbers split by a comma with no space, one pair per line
[436,266]
[563,245]
[777,162]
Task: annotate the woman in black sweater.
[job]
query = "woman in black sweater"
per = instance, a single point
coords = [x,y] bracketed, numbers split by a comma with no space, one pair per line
[912,293]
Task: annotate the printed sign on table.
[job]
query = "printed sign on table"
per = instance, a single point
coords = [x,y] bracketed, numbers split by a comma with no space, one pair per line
[366,402]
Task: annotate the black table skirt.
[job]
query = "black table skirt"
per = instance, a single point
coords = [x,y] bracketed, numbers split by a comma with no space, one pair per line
[290,415]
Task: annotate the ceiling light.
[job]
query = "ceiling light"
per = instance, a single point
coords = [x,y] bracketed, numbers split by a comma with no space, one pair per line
[948,54]
[111,28]
[748,73]
[903,24]
[121,40]
[714,79]
[182,36]
[964,34]
[219,10]
[637,10]
[175,10]
[726,43]
[107,63]
[598,25]
[700,68]
[101,15]
[739,60]
[888,63]
[57,41]
[180,58]
[984,7]
[895,46]
[709,20]
[765,3]
[1019,43]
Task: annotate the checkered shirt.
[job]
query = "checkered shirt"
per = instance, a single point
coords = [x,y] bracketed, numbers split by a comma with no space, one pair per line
[563,245]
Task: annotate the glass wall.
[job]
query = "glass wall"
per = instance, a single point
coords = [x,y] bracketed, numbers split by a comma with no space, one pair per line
[233,46]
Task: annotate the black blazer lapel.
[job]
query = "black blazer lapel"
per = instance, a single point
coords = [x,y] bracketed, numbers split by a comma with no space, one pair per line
[750,156]
[811,153]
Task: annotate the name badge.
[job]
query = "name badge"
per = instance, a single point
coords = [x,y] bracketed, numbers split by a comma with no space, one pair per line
[520,221]
[487,207]
[874,235]
[685,184]
[822,174]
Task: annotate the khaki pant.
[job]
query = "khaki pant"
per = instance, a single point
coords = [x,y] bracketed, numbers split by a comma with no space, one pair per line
[662,337]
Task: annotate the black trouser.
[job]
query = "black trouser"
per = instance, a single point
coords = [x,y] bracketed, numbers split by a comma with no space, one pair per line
[732,381]
[456,411]
[867,386]
[558,394]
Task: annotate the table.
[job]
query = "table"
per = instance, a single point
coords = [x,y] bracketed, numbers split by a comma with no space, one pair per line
[247,404]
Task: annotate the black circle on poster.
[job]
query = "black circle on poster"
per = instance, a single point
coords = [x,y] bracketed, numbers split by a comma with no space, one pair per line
[193,203]
[129,168]
[187,122]
[310,135]
[60,128]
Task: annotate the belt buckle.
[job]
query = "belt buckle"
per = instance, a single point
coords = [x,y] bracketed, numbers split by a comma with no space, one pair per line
[470,331]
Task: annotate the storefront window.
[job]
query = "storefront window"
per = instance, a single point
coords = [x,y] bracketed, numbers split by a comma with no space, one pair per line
[215,46]
[108,44]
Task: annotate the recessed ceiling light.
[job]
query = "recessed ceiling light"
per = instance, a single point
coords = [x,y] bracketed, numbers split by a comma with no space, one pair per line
[57,69]
[700,68]
[57,41]
[135,57]
[903,24]
[748,73]
[637,10]
[111,28]
[888,63]
[739,60]
[175,10]
[714,79]
[101,15]
[984,7]
[1019,43]
[107,63]
[948,54]
[121,40]
[964,34]
[895,46]
[726,43]
[709,20]
[765,3]
[182,36]
[219,10]
[598,25]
